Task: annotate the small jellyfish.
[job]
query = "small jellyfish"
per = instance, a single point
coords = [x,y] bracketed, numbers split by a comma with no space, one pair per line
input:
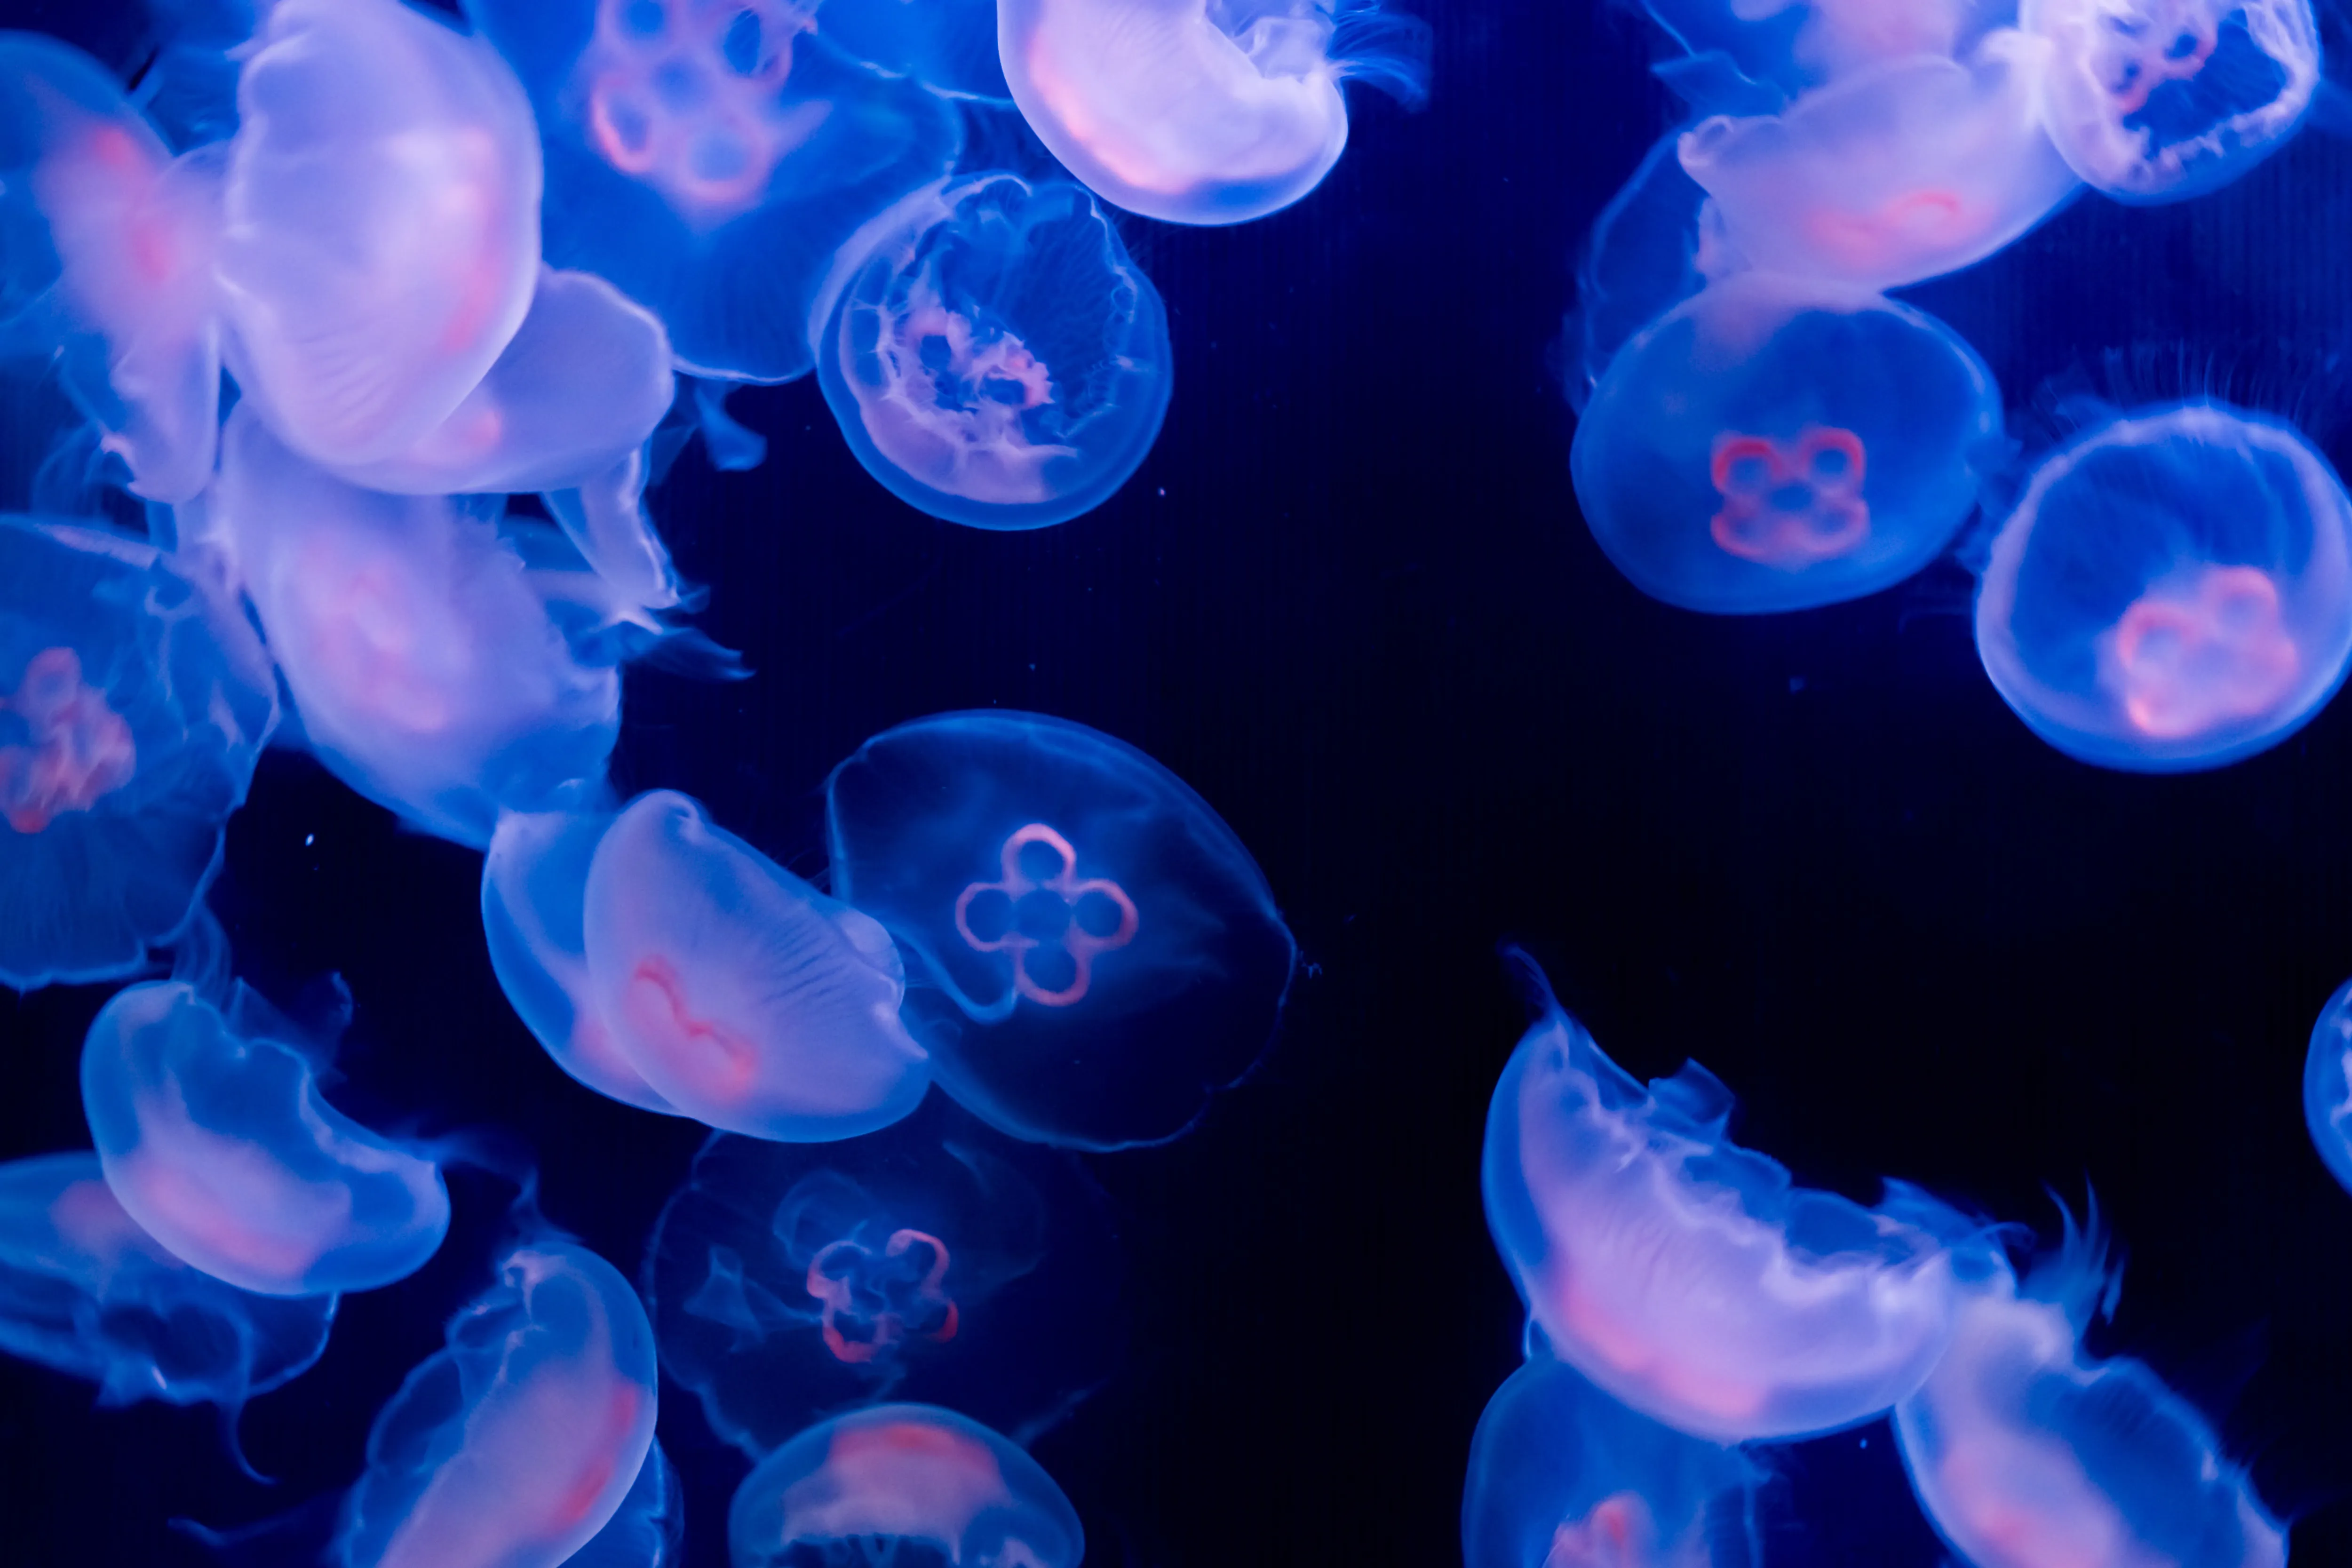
[1686,1276]
[648,1530]
[132,705]
[2154,100]
[1773,444]
[948,46]
[381,241]
[2327,1085]
[1095,953]
[1561,1476]
[995,359]
[936,1260]
[740,995]
[902,1483]
[515,1444]
[215,1139]
[710,160]
[2173,590]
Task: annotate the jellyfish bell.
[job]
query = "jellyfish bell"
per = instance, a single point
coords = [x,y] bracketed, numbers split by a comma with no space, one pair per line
[2327,1086]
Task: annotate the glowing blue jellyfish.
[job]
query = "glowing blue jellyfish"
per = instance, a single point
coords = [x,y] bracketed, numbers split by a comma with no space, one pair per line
[1561,1476]
[2173,590]
[1195,113]
[910,1480]
[1773,444]
[995,358]
[740,995]
[2152,100]
[1093,953]
[1684,1274]
[648,1530]
[708,161]
[936,1260]
[948,46]
[132,708]
[108,261]
[2327,1085]
[85,1291]
[381,241]
[215,1139]
[514,1445]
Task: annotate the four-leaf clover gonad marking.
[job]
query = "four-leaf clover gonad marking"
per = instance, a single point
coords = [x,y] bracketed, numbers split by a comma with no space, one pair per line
[1790,505]
[1080,943]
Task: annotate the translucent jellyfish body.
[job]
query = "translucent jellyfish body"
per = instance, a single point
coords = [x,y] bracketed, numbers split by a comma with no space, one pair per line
[1793,45]
[381,241]
[110,253]
[2158,100]
[648,1530]
[709,161]
[902,1483]
[2173,590]
[1092,952]
[515,1444]
[85,1291]
[935,1261]
[740,995]
[218,1142]
[1561,1476]
[132,708]
[2327,1086]
[1684,1275]
[995,358]
[1772,443]
[948,46]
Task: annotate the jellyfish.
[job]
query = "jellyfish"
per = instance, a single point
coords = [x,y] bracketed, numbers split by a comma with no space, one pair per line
[1561,1476]
[215,1139]
[2327,1085]
[740,995]
[422,659]
[648,1530]
[132,705]
[2173,590]
[1686,1276]
[512,1447]
[381,239]
[995,359]
[708,161]
[1773,444]
[910,1478]
[2154,100]
[936,1260]
[109,251]
[948,46]
[1093,953]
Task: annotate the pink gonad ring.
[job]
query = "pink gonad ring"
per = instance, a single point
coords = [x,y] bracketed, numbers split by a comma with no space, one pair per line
[1080,943]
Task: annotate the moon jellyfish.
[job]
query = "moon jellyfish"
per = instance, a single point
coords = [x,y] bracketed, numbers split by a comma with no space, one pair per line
[382,234]
[132,708]
[2327,1085]
[709,161]
[1773,444]
[2152,100]
[934,1261]
[2173,590]
[902,1479]
[996,359]
[85,1291]
[740,995]
[1561,1476]
[1093,953]
[215,1139]
[948,46]
[1686,1275]
[648,1530]
[512,1447]
[1204,111]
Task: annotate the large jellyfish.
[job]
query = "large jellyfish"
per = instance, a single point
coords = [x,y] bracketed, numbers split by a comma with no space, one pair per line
[1686,1275]
[1561,1476]
[995,358]
[380,240]
[108,261]
[2152,100]
[2327,1085]
[1094,951]
[2173,590]
[648,1530]
[514,1445]
[216,1139]
[935,1261]
[132,705]
[902,1479]
[710,160]
[1773,444]
[1205,111]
